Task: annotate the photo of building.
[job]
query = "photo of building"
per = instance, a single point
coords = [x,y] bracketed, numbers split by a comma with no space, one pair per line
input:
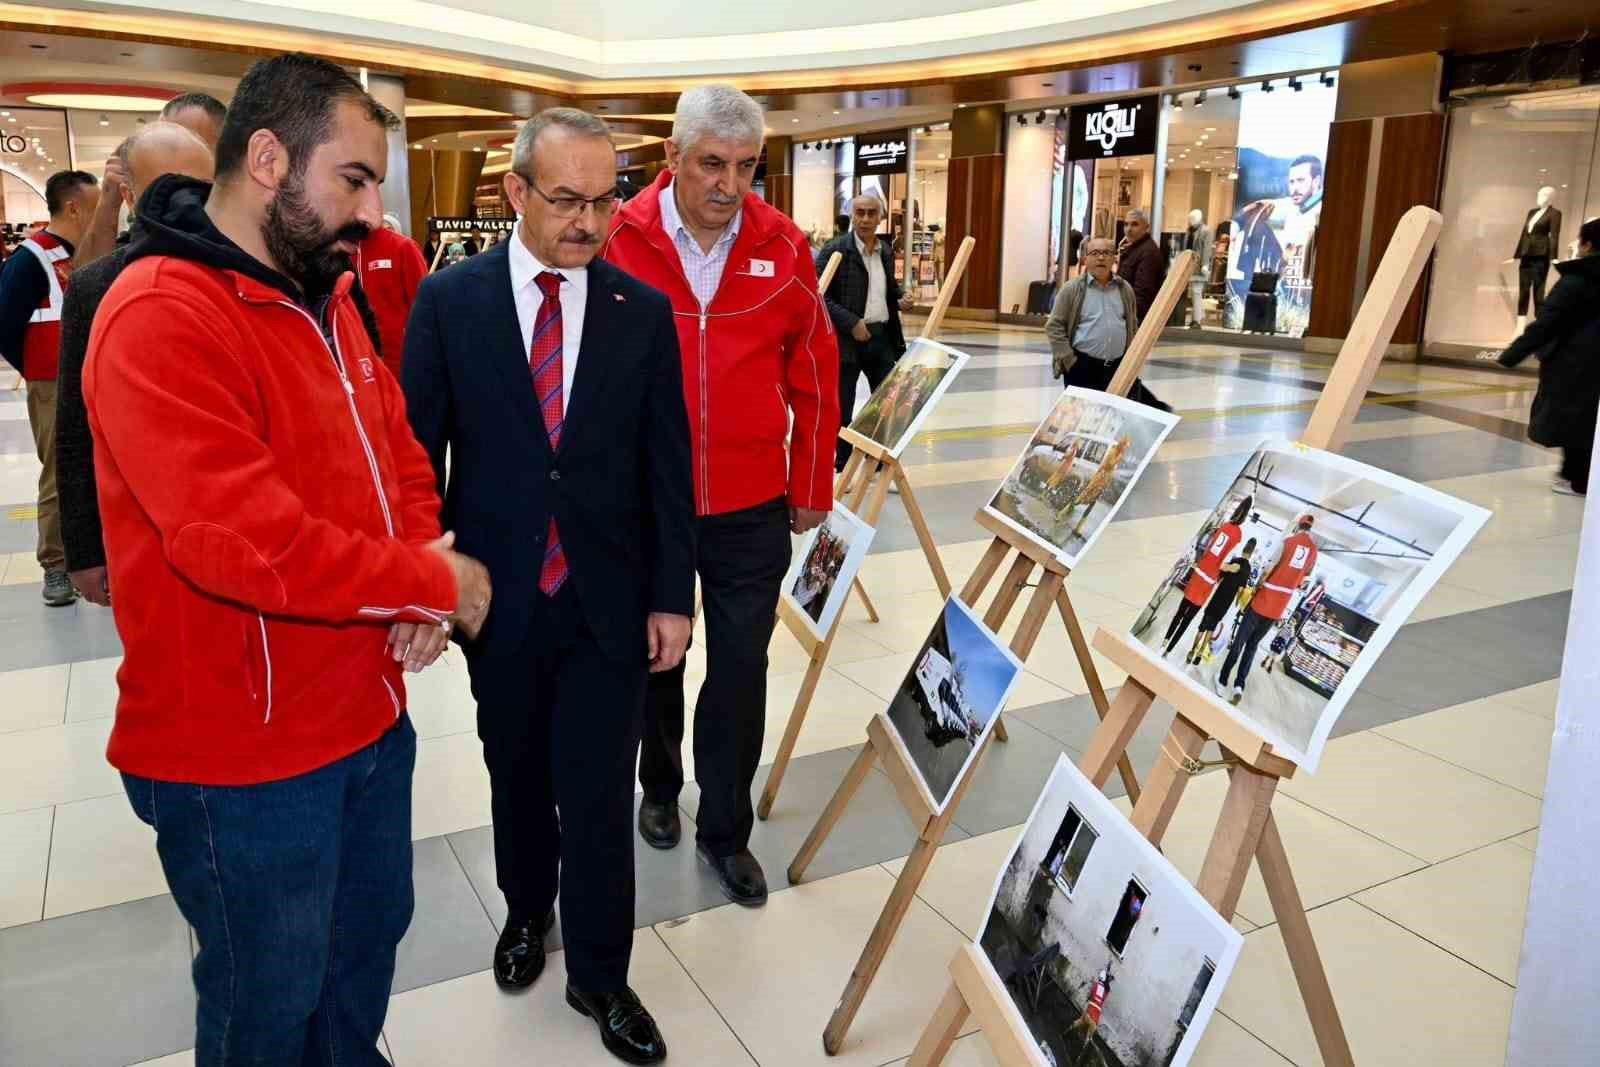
[824,568]
[948,701]
[1111,956]
[897,408]
[1077,470]
[1285,596]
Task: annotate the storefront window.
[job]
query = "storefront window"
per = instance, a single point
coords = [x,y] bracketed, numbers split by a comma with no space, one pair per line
[824,173]
[1499,241]
[34,144]
[929,185]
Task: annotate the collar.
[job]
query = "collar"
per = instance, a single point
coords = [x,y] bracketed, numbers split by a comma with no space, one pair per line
[672,222]
[1110,283]
[525,266]
[68,245]
[862,248]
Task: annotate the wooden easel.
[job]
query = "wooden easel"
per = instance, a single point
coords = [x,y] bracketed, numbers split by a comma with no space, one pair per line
[870,460]
[884,743]
[1246,828]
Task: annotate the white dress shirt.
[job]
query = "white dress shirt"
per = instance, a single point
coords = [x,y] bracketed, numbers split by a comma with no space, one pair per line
[877,284]
[702,268]
[525,267]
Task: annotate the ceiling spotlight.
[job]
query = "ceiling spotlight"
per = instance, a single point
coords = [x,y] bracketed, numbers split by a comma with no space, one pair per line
[417,145]
[1177,102]
[1233,92]
[836,111]
[1294,83]
[1200,98]
[1038,120]
[104,121]
[1022,120]
[1326,78]
[794,120]
[1266,87]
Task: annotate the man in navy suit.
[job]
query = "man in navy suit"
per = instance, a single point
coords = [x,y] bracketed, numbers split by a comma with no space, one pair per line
[583,511]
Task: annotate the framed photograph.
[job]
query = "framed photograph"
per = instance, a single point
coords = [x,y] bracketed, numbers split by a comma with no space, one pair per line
[897,408]
[819,578]
[1077,470]
[949,699]
[1109,954]
[1283,599]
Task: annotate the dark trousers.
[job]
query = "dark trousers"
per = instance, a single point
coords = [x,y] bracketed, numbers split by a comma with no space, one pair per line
[1531,275]
[1243,650]
[299,892]
[1180,622]
[1575,457]
[875,359]
[560,725]
[1090,373]
[742,557]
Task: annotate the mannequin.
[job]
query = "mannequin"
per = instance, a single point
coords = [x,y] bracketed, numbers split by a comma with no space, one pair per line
[1198,240]
[1538,243]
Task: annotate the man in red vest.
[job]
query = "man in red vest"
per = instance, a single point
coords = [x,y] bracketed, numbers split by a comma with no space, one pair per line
[391,268]
[32,291]
[1296,559]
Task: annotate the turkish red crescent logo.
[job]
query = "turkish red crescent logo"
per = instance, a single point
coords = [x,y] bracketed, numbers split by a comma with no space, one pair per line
[366,371]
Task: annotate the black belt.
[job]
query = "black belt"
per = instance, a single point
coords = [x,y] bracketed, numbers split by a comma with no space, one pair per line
[877,327]
[1108,362]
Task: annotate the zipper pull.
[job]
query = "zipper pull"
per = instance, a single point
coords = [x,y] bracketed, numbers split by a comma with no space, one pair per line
[348,388]
[702,320]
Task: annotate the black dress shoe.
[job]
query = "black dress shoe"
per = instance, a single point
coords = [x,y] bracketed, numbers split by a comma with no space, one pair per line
[659,825]
[740,875]
[626,1028]
[519,954]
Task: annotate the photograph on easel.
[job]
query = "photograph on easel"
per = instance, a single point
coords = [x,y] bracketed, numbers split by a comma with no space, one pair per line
[904,399]
[1083,461]
[1284,598]
[951,696]
[819,579]
[1110,955]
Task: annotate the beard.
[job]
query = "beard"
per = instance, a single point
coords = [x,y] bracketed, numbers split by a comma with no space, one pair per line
[302,244]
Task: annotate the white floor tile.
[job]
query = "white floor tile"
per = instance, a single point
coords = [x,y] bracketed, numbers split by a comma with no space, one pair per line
[92,689]
[24,853]
[33,698]
[1486,736]
[450,789]
[56,765]
[101,855]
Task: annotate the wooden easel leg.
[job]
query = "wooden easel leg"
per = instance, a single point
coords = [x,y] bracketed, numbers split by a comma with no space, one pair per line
[943,1029]
[847,477]
[1167,781]
[1244,816]
[866,601]
[1097,692]
[791,732]
[988,566]
[920,525]
[873,511]
[1302,948]
[830,815]
[894,913]
[1109,745]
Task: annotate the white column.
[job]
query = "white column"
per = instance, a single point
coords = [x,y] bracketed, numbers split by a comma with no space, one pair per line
[390,91]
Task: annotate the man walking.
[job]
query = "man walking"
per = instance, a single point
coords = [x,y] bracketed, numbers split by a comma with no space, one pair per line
[553,381]
[865,301]
[156,149]
[33,287]
[1140,262]
[1296,559]
[1092,324]
[758,350]
[272,534]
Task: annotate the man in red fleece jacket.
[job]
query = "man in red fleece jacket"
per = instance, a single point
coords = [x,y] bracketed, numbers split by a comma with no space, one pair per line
[271,530]
[758,352]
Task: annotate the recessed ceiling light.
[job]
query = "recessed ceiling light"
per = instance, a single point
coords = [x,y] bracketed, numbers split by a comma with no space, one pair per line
[417,145]
[835,111]
[90,96]
[1211,129]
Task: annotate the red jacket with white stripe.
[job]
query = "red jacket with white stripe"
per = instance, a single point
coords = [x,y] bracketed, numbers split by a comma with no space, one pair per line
[265,506]
[41,345]
[762,348]
[391,269]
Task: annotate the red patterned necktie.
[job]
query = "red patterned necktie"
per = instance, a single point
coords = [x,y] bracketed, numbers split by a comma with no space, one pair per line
[544,358]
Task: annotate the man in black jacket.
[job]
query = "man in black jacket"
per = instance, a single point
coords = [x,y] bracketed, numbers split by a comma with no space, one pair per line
[157,149]
[1140,262]
[865,301]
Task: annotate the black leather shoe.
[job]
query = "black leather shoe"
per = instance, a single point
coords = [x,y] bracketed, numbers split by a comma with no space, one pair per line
[626,1028]
[519,954]
[659,824]
[740,875]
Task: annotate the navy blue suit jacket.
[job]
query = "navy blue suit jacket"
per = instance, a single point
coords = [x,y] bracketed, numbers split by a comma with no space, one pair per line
[619,487]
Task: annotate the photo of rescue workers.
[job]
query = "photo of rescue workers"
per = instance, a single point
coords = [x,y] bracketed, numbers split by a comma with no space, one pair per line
[824,568]
[1082,462]
[1112,958]
[1291,588]
[904,399]
[951,696]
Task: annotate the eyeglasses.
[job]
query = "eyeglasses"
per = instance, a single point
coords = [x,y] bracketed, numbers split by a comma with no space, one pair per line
[1098,252]
[570,207]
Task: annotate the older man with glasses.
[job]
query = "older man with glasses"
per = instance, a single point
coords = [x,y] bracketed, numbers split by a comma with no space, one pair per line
[1092,324]
[553,381]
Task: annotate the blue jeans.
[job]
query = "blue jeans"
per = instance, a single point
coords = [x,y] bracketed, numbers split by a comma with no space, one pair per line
[299,892]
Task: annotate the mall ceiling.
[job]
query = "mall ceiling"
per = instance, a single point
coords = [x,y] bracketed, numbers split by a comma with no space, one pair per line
[31,50]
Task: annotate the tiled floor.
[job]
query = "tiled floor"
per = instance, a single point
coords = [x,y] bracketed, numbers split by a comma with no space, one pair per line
[1413,843]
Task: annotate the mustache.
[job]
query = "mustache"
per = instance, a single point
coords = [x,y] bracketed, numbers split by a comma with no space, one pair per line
[580,237]
[724,200]
[354,232]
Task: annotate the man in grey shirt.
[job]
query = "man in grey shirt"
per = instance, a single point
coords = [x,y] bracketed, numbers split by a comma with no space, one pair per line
[1092,324]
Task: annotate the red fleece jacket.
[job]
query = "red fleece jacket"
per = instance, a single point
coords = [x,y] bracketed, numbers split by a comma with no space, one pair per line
[264,504]
[391,269]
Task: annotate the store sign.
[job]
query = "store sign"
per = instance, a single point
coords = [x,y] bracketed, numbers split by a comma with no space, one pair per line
[13,145]
[1114,128]
[882,153]
[460,224]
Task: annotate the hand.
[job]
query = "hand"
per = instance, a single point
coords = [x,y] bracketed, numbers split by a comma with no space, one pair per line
[472,586]
[92,585]
[860,332]
[666,637]
[418,644]
[115,179]
[906,302]
[803,519]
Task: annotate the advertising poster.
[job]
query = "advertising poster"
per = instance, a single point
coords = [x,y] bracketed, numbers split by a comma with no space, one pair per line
[819,579]
[1283,147]
[951,696]
[903,400]
[1079,467]
[1292,587]
[1111,957]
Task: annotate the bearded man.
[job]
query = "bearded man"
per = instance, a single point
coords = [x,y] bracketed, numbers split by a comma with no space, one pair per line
[272,532]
